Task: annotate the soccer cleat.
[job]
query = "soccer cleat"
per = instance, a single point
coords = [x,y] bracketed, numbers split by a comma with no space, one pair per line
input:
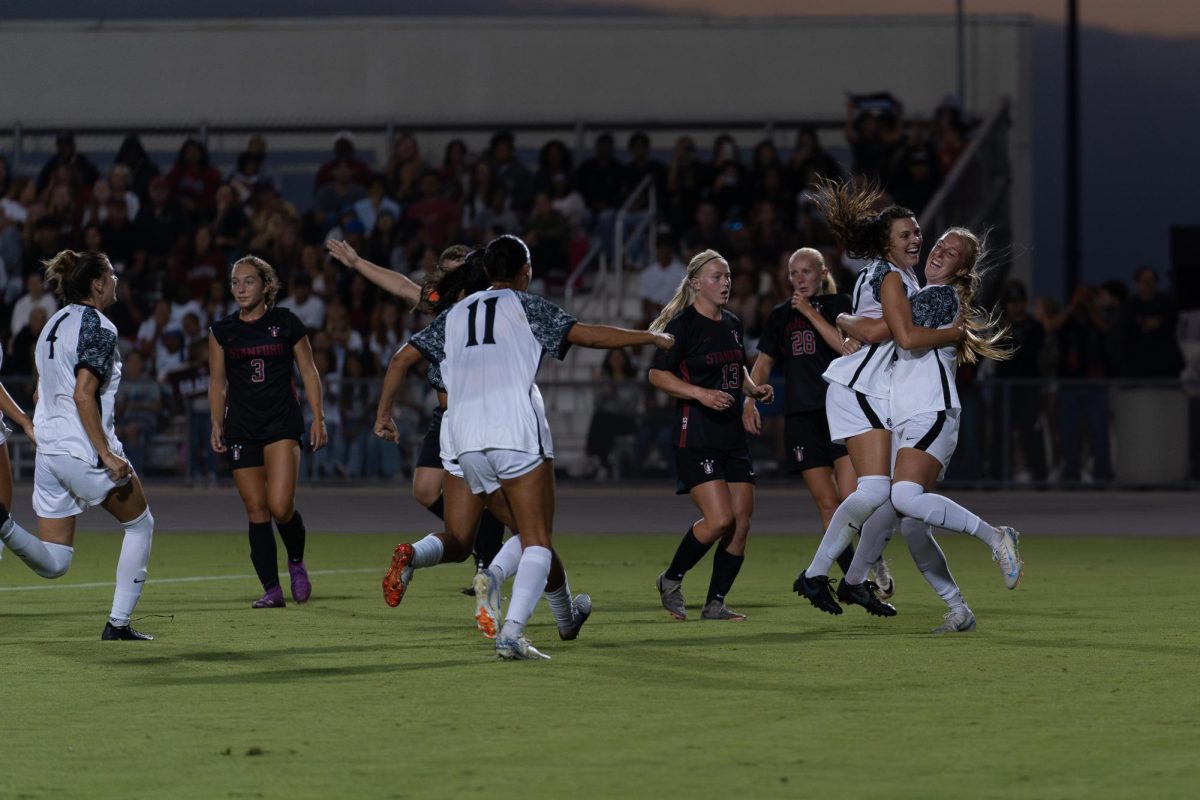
[487,604]
[273,598]
[399,575]
[518,649]
[718,610]
[818,591]
[883,579]
[864,594]
[957,620]
[123,633]
[1008,557]
[671,593]
[581,609]
[301,586]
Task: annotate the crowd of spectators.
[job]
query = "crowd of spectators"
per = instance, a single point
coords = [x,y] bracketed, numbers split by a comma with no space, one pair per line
[172,230]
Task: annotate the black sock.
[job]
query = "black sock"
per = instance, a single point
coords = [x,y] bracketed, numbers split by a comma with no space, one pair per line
[488,538]
[690,551]
[437,508]
[262,554]
[292,533]
[726,567]
[845,558]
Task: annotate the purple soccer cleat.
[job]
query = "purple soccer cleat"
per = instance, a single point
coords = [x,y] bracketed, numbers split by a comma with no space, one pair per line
[301,586]
[272,599]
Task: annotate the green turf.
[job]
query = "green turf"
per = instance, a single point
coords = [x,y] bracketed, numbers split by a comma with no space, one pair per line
[1080,684]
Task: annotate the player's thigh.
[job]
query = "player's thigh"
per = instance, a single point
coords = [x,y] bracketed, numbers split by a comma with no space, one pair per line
[531,498]
[59,530]
[871,452]
[126,502]
[918,467]
[845,477]
[499,508]
[461,512]
[282,462]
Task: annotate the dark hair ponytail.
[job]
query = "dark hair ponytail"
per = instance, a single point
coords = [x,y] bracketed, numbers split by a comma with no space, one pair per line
[849,210]
[504,258]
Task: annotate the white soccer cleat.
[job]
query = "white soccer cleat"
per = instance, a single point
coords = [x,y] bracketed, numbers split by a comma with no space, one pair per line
[518,649]
[957,620]
[487,603]
[1008,556]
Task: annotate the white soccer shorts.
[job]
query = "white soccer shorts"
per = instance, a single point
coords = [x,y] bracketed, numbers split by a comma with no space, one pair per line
[484,469]
[935,432]
[66,486]
[850,413]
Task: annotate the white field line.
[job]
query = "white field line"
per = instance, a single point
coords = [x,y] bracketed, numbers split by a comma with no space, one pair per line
[190,579]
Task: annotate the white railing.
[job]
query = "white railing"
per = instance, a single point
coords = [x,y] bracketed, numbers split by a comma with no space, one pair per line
[647,187]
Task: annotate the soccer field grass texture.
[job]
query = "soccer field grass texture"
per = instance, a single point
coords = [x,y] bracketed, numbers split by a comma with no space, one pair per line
[1079,684]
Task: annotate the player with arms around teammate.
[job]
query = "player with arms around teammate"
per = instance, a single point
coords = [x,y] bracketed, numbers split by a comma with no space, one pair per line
[80,462]
[489,346]
[702,371]
[256,418]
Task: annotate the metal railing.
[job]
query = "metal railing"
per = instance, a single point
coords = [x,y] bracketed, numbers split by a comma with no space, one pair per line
[647,226]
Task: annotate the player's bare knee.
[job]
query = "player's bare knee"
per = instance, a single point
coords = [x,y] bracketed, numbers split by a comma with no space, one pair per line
[722,525]
[282,510]
[426,495]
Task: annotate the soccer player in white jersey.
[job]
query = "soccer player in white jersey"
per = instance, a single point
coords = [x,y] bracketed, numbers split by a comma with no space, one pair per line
[80,462]
[925,415]
[857,401]
[489,347]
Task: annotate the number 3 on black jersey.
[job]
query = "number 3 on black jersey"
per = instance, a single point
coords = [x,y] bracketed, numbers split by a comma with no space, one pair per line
[489,321]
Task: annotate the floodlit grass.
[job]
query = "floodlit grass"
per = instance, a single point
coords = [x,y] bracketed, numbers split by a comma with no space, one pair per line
[1079,684]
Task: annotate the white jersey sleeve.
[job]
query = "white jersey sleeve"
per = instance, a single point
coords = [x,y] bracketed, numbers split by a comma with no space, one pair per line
[868,370]
[77,337]
[923,380]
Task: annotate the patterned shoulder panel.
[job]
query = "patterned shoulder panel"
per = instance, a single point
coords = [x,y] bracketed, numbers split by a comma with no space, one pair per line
[879,271]
[97,344]
[935,306]
[432,340]
[549,323]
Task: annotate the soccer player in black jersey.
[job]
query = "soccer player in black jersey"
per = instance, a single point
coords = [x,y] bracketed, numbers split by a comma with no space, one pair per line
[256,418]
[429,477]
[801,336]
[702,371]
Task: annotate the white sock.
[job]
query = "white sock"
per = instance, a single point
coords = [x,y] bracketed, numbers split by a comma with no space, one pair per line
[131,567]
[849,518]
[504,565]
[527,588]
[428,552]
[560,605]
[911,500]
[931,561]
[876,533]
[47,559]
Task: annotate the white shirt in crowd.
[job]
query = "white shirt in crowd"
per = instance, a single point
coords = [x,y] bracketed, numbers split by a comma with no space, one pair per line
[311,312]
[659,281]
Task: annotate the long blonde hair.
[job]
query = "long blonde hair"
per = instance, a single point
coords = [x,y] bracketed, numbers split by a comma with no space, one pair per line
[828,286]
[685,295]
[984,336]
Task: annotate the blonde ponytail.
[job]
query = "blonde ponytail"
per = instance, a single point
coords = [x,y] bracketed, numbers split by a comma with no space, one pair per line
[984,337]
[685,295]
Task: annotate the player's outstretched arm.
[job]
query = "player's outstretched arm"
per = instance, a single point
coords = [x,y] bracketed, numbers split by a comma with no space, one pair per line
[317,436]
[897,313]
[401,362]
[606,337]
[676,387]
[390,281]
[864,329]
[216,394]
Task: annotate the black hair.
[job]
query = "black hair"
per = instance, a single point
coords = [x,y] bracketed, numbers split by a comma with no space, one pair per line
[849,208]
[449,284]
[639,137]
[132,152]
[69,275]
[188,142]
[504,257]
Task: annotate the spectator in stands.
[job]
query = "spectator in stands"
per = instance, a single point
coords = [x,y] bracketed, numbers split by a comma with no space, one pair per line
[915,176]
[477,200]
[729,184]
[1024,403]
[615,410]
[133,156]
[547,234]
[707,233]
[138,403]
[229,223]
[769,235]
[404,168]
[182,304]
[376,202]
[92,239]
[661,277]
[95,210]
[600,179]
[6,176]
[357,171]
[302,302]
[567,201]
[160,224]
[641,164]
[554,160]
[388,332]
[35,297]
[191,387]
[1080,330]
[384,244]
[193,180]
[455,173]
[217,303]
[45,243]
[126,313]
[151,331]
[18,358]
[874,129]
[437,217]
[121,238]
[360,301]
[204,264]
[685,184]
[193,330]
[169,353]
[497,218]
[509,172]
[247,175]
[120,182]
[83,172]
[1151,317]
[949,135]
[62,208]
[809,161]
[340,192]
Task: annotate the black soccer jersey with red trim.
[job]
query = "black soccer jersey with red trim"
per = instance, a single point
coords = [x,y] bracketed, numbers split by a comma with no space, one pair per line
[261,402]
[797,347]
[711,354]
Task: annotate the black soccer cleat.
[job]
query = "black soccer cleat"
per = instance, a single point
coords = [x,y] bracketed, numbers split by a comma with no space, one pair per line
[865,594]
[818,591]
[124,633]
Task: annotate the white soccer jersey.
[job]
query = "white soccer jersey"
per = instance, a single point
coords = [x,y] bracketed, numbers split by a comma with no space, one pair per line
[923,380]
[488,347]
[868,369]
[76,337]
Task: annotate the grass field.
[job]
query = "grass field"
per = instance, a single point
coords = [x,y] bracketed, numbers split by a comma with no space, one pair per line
[1079,684]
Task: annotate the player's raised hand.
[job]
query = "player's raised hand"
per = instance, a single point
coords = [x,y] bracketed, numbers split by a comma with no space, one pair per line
[663,341]
[385,428]
[342,252]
